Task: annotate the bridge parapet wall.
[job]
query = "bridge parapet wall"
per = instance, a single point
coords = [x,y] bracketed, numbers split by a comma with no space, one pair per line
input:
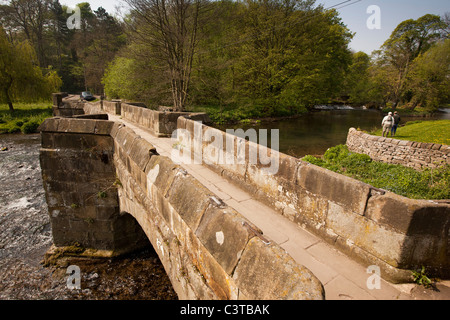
[373,226]
[207,248]
[159,123]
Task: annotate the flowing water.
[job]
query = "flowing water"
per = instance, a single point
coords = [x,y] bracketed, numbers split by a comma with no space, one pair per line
[315,132]
[25,236]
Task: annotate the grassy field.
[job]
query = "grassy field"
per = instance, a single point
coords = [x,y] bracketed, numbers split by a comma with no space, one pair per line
[26,117]
[434,131]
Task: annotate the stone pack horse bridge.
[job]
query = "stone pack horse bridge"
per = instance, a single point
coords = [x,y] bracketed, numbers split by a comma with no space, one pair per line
[228,230]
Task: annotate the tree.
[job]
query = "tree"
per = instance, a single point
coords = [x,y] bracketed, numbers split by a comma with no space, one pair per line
[168,30]
[213,67]
[32,17]
[59,30]
[409,39]
[101,48]
[293,55]
[429,79]
[21,77]
[357,80]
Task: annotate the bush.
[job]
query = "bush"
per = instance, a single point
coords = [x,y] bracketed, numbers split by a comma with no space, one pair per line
[9,128]
[30,127]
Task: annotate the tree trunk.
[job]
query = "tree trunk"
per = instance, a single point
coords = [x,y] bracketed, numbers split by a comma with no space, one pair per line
[8,100]
[6,92]
[10,105]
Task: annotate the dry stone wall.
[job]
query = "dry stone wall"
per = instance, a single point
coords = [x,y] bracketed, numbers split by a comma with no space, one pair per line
[412,154]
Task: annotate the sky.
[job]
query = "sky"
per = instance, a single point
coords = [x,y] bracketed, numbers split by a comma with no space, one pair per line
[355,16]
[353,13]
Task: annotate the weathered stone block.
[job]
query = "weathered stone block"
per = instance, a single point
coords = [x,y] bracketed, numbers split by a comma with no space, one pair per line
[267,272]
[189,198]
[115,129]
[381,241]
[161,172]
[222,232]
[79,141]
[410,217]
[350,193]
[212,272]
[141,152]
[181,122]
[103,127]
[81,126]
[58,97]
[49,125]
[310,210]
[125,138]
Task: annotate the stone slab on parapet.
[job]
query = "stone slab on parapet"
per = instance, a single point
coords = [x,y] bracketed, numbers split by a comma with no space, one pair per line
[268,272]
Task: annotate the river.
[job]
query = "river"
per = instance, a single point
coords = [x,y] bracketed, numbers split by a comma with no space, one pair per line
[25,236]
[313,133]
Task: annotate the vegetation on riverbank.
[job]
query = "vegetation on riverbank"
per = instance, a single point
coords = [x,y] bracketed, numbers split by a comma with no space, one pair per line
[427,184]
[254,113]
[433,131]
[26,117]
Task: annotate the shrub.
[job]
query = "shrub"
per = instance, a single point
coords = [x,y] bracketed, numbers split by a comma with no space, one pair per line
[30,127]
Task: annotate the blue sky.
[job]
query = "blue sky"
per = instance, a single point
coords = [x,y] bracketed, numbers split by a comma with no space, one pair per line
[354,15]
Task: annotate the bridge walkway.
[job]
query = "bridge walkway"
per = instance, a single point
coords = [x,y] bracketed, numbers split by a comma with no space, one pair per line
[342,278]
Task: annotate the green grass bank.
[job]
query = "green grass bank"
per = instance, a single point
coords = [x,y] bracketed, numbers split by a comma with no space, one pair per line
[430,184]
[26,117]
[431,131]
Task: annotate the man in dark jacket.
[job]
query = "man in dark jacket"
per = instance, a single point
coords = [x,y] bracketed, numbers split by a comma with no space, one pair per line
[396,123]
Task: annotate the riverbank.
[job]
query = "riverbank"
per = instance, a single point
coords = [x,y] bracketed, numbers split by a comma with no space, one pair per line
[25,236]
[257,114]
[25,118]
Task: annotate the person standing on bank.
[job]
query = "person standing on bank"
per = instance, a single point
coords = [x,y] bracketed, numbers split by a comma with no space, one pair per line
[396,123]
[387,124]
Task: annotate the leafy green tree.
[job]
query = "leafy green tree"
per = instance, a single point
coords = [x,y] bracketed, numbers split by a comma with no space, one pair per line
[31,17]
[409,39]
[357,81]
[21,78]
[213,66]
[119,79]
[106,38]
[281,56]
[429,78]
